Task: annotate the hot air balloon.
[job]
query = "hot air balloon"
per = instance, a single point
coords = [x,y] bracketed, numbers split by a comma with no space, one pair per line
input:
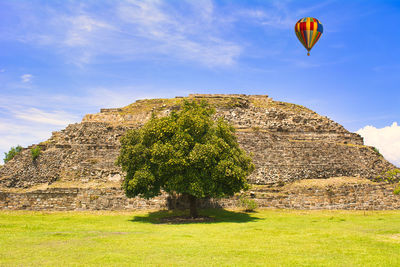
[308,30]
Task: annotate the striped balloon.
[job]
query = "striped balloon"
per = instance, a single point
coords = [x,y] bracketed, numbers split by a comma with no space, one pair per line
[308,30]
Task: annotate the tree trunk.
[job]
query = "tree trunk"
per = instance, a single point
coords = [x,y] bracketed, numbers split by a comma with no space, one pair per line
[193,206]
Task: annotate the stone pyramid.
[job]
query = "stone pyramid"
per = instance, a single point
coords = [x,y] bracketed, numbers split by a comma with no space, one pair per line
[298,154]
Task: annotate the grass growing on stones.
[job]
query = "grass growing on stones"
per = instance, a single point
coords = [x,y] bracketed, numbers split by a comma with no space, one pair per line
[266,237]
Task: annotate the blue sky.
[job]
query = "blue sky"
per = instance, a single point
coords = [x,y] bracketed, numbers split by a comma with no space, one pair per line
[62,59]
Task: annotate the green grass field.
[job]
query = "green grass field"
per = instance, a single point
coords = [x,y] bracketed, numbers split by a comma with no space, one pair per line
[263,238]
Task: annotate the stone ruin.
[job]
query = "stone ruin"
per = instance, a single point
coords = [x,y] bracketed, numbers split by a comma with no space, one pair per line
[303,160]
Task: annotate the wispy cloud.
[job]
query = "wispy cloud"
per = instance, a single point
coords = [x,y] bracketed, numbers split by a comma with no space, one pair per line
[386,68]
[135,29]
[26,78]
[36,105]
[203,32]
[191,36]
[279,14]
[59,118]
[308,9]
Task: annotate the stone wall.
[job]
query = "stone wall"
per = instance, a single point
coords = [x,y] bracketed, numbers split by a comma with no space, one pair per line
[348,196]
[279,159]
[76,199]
[357,196]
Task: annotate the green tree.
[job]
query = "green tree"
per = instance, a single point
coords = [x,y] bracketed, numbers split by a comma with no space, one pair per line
[11,153]
[188,153]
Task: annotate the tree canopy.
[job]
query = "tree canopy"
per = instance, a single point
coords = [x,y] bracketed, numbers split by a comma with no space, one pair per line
[11,153]
[186,152]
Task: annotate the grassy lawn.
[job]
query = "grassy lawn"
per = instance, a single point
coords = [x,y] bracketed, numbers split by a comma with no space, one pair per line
[266,237]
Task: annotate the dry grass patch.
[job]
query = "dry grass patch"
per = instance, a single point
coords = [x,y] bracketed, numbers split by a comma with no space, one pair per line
[330,182]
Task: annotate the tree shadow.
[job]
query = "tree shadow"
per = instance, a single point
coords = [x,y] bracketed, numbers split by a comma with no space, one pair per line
[216,216]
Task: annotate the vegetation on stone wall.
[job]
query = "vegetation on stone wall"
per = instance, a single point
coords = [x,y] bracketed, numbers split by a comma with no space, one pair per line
[397,190]
[35,152]
[248,204]
[290,107]
[187,153]
[377,151]
[391,176]
[11,153]
[156,105]
[149,105]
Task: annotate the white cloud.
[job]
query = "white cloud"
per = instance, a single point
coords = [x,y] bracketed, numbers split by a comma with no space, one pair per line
[386,139]
[26,78]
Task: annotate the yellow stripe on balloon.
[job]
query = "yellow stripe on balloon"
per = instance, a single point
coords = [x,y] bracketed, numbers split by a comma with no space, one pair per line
[308,30]
[314,34]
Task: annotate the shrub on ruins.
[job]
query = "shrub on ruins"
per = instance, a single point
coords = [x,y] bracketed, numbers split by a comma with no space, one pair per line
[391,176]
[186,152]
[11,153]
[35,152]
[396,191]
[248,204]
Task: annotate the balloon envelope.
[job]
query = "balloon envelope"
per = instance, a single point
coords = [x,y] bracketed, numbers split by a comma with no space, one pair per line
[308,31]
